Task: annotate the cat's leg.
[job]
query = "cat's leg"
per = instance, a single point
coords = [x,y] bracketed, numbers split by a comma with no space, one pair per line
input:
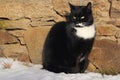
[83,65]
[76,67]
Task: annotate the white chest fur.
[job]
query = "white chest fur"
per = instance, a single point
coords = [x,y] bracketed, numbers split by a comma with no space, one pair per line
[86,32]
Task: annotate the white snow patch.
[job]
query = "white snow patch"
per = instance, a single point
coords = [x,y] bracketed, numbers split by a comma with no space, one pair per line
[18,71]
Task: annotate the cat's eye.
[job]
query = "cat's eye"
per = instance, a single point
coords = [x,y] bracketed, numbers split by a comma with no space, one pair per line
[74,17]
[82,17]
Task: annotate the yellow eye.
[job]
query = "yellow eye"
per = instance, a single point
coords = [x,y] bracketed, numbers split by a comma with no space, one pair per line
[74,17]
[82,17]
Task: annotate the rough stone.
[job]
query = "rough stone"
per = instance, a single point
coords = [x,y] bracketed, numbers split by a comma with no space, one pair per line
[106,30]
[91,67]
[101,8]
[15,24]
[113,38]
[11,9]
[115,9]
[29,9]
[1,55]
[60,6]
[14,51]
[34,39]
[103,21]
[38,8]
[105,55]
[117,22]
[22,24]
[21,40]
[43,21]
[17,33]
[117,34]
[80,2]
[23,57]
[6,38]
[118,40]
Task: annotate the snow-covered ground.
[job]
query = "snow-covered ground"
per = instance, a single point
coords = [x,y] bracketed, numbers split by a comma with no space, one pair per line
[19,71]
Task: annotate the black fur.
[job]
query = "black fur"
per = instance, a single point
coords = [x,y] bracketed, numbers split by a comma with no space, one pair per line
[63,51]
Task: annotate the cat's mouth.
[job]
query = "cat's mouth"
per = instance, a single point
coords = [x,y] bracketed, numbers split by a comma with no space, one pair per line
[79,25]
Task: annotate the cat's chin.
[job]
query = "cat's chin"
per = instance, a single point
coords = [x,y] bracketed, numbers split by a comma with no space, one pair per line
[82,25]
[79,25]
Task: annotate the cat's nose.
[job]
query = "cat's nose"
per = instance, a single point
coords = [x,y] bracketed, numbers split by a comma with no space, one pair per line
[78,19]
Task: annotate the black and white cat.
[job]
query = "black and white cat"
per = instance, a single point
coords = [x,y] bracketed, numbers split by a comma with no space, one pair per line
[69,43]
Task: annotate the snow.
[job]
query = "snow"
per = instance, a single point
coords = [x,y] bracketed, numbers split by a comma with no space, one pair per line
[20,71]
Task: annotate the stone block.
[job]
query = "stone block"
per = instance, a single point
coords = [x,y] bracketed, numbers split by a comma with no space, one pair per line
[106,55]
[15,51]
[34,39]
[115,9]
[106,30]
[6,38]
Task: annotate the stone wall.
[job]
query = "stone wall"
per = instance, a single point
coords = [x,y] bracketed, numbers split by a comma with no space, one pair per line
[24,25]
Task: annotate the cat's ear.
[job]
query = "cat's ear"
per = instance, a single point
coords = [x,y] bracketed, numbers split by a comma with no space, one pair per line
[89,5]
[72,7]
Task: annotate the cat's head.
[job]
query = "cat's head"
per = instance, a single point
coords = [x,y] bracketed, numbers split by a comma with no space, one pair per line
[81,15]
